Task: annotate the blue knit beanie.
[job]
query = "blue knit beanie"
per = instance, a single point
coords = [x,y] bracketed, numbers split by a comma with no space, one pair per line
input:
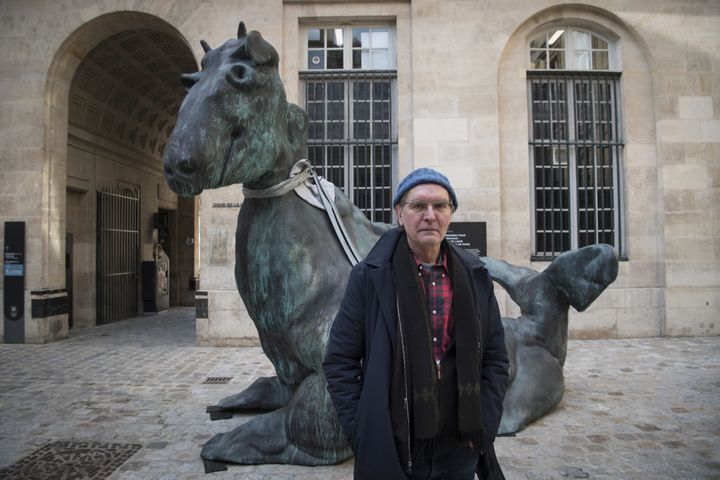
[420,176]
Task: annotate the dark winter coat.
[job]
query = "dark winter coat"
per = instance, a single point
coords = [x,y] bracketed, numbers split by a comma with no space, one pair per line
[359,362]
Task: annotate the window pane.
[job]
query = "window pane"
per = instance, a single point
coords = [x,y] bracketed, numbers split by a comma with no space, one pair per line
[381,130]
[365,59]
[556,39]
[380,59]
[316,60]
[335,38]
[335,111]
[541,111]
[598,43]
[538,59]
[315,91]
[361,91]
[335,171]
[361,111]
[335,91]
[361,130]
[556,60]
[582,60]
[381,110]
[381,90]
[600,61]
[380,38]
[358,35]
[336,129]
[335,59]
[316,38]
[356,60]
[581,40]
[539,42]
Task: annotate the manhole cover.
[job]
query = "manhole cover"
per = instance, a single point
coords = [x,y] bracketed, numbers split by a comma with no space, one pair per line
[71,459]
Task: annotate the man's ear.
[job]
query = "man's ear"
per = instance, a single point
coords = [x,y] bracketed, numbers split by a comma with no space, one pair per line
[297,127]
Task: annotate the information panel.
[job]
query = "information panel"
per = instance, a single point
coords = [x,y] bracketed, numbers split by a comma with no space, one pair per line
[472,236]
[14,282]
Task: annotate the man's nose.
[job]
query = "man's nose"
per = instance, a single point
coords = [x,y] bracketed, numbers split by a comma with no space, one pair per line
[429,213]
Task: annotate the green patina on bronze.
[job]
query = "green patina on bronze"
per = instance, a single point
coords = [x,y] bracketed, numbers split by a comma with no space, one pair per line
[236,126]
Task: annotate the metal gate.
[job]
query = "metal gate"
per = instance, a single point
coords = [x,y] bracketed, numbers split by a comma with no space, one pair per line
[118,246]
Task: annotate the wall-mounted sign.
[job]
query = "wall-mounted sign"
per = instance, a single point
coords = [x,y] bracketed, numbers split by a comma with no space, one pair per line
[14,282]
[472,236]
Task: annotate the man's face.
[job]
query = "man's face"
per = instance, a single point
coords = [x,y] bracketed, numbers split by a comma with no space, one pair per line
[425,228]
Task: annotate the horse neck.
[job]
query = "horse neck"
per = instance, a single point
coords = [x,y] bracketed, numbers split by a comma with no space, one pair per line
[278,173]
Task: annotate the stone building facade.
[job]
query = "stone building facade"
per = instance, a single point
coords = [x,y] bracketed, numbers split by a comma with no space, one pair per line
[560,124]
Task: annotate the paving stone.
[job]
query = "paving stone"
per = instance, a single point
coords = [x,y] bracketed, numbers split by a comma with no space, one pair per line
[633,408]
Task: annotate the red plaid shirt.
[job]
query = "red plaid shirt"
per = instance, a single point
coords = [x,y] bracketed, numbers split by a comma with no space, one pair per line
[438,291]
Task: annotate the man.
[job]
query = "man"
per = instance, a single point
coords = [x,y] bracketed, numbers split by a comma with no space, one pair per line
[416,363]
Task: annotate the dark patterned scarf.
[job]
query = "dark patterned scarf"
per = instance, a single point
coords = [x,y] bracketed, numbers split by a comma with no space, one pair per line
[421,368]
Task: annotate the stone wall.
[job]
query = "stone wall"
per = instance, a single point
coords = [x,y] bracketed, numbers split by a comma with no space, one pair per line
[462,108]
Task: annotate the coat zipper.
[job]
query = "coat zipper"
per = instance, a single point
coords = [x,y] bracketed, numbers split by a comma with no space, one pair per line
[407,405]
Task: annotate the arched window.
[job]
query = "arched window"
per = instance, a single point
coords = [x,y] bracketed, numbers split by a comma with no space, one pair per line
[576,141]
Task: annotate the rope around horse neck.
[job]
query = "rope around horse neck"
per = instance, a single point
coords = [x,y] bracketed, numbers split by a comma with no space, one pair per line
[297,179]
[286,186]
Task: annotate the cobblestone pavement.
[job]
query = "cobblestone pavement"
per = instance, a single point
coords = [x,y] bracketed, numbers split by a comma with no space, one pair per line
[633,409]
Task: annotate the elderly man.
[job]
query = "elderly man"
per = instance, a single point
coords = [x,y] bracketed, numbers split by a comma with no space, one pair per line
[416,363]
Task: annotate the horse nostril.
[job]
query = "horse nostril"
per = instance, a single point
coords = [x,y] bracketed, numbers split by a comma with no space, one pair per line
[168,171]
[186,167]
[236,134]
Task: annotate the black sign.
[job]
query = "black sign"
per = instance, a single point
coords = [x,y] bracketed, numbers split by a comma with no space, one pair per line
[14,286]
[472,236]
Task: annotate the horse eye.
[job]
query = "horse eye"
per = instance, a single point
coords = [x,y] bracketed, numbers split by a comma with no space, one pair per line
[241,76]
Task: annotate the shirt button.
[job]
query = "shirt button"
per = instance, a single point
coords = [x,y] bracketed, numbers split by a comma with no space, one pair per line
[434,312]
[419,274]
[434,339]
[433,284]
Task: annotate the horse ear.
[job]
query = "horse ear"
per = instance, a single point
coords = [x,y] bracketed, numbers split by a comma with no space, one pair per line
[260,50]
[242,31]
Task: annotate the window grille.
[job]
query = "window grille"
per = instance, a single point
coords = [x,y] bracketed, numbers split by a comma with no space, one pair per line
[576,146]
[349,93]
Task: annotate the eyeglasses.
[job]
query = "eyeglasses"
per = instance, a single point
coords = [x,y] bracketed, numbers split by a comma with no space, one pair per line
[439,207]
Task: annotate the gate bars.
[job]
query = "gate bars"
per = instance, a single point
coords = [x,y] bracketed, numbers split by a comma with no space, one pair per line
[118,248]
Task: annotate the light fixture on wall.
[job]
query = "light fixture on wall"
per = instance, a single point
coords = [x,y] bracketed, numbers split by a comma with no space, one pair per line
[555,37]
[339,37]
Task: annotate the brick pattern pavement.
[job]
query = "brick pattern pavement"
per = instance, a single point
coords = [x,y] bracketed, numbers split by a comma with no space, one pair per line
[640,408]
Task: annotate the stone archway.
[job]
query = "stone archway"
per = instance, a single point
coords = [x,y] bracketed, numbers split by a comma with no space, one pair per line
[112,96]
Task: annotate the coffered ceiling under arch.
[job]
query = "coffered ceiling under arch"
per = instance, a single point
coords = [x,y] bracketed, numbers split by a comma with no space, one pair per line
[127,89]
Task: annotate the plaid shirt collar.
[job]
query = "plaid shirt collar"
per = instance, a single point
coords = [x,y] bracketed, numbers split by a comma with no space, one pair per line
[438,291]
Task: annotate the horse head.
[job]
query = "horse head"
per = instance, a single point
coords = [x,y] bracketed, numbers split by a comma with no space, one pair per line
[235,124]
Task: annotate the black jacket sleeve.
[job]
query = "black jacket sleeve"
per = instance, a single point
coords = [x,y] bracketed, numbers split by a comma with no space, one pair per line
[494,362]
[343,359]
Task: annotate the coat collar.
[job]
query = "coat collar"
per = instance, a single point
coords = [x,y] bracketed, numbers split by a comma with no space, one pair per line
[381,253]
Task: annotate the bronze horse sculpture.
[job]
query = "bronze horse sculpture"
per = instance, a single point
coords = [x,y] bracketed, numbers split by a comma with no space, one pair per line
[236,126]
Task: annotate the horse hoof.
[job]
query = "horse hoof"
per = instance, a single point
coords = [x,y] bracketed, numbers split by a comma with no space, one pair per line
[211,466]
[218,413]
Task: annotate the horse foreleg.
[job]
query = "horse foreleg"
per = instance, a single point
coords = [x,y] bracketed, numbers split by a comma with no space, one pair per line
[306,432]
[265,394]
[536,389]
